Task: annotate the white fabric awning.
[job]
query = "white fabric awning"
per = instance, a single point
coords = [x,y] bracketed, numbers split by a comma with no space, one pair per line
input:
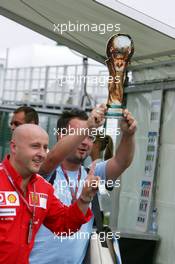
[40,16]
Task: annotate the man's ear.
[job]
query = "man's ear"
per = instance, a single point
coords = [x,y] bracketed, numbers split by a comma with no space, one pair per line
[59,137]
[12,146]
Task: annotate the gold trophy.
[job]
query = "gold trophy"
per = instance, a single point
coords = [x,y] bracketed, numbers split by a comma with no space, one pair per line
[119,50]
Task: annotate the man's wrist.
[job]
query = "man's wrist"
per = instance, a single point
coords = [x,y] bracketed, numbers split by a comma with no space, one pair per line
[128,134]
[85,200]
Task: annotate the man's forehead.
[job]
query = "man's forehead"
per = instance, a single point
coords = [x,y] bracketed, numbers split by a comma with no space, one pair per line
[76,122]
[39,140]
[20,115]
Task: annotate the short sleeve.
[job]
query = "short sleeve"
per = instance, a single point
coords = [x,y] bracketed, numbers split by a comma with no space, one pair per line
[100,169]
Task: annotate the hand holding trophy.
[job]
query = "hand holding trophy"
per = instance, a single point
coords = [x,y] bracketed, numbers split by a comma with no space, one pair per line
[120,49]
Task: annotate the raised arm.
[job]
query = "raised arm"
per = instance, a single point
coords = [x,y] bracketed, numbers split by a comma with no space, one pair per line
[125,152]
[68,143]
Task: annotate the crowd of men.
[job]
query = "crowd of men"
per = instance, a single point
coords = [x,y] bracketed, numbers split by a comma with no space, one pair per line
[30,205]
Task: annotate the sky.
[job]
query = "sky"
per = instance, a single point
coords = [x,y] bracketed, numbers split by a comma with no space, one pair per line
[158,9]
[13,34]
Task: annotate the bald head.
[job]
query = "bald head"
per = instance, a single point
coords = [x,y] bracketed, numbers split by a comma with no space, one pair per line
[28,148]
[27,130]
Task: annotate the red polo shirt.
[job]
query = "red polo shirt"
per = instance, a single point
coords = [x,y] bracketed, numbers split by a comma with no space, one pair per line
[44,207]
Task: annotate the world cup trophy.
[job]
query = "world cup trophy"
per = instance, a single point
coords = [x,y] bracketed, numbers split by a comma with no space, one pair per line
[119,50]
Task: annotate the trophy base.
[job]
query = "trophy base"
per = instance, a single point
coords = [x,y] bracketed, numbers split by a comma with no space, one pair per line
[115,111]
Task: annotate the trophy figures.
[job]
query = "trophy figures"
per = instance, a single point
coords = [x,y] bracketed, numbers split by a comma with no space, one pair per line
[119,50]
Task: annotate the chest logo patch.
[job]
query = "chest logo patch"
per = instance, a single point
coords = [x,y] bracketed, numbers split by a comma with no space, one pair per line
[38,199]
[7,212]
[9,198]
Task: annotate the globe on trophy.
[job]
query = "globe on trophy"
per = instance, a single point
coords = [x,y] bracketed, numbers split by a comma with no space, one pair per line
[119,50]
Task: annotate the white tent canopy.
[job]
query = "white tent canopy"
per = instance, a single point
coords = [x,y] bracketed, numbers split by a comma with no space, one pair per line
[41,16]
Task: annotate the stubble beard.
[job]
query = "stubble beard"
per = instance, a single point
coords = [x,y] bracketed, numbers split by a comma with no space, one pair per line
[76,160]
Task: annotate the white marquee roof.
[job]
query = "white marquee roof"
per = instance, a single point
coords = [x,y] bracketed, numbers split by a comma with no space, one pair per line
[153,40]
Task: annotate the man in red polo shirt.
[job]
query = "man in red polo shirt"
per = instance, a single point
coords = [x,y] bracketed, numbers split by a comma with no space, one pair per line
[27,200]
